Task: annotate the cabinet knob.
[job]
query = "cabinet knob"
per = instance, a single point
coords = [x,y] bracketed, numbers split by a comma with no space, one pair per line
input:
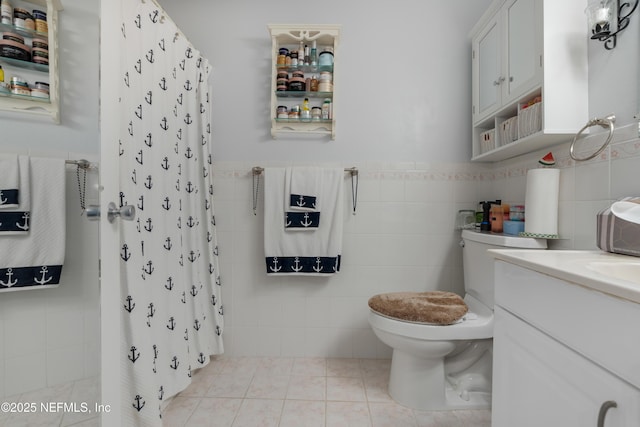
[603,411]
[499,81]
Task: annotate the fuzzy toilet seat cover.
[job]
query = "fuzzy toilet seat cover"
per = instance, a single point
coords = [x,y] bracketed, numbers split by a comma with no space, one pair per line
[435,307]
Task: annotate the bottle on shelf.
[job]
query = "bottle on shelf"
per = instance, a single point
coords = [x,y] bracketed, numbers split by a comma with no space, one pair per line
[314,54]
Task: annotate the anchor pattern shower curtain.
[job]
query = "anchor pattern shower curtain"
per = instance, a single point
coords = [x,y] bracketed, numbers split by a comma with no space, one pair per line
[171,311]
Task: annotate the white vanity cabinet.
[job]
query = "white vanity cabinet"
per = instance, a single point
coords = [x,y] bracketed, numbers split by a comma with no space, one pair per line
[523,50]
[564,355]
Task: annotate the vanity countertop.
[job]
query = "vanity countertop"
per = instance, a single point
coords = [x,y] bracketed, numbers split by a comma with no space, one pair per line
[614,274]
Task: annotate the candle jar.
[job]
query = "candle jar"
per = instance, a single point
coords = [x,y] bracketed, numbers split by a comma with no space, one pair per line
[599,17]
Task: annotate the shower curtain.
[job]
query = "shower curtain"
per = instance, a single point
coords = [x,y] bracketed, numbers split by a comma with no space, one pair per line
[171,313]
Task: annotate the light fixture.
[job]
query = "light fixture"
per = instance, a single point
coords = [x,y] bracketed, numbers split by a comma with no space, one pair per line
[607,18]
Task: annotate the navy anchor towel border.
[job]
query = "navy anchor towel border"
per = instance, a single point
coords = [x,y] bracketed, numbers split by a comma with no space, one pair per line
[9,197]
[302,201]
[303,264]
[302,219]
[14,221]
[18,277]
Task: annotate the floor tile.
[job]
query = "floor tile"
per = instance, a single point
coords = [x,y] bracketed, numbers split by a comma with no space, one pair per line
[391,415]
[307,388]
[179,411]
[343,368]
[348,414]
[268,387]
[377,388]
[218,412]
[229,385]
[345,389]
[259,413]
[303,413]
[309,366]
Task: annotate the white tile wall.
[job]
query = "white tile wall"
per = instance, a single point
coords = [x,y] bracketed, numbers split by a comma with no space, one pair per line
[585,187]
[401,238]
[49,337]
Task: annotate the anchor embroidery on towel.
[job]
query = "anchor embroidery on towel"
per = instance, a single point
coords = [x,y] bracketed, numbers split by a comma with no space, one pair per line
[24,226]
[296,267]
[318,267]
[2,201]
[44,280]
[275,267]
[306,222]
[9,283]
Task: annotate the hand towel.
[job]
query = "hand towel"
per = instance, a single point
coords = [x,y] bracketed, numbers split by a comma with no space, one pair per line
[35,260]
[303,186]
[316,253]
[9,181]
[15,220]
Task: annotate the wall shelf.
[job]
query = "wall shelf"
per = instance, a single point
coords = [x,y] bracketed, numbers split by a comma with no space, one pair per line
[290,37]
[29,106]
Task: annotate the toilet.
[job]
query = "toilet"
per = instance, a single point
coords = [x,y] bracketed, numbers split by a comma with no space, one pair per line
[440,367]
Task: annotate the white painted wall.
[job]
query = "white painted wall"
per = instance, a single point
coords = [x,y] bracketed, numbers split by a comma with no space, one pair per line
[52,336]
[411,143]
[402,78]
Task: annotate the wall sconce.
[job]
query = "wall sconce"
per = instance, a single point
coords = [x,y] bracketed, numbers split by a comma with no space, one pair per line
[607,18]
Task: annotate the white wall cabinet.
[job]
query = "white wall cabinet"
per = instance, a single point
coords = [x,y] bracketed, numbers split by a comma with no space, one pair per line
[30,106]
[556,366]
[290,37]
[523,50]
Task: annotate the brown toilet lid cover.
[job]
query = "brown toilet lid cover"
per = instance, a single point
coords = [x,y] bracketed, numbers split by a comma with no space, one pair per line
[435,307]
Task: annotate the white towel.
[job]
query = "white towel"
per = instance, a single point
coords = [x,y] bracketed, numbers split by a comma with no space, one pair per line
[15,219]
[9,181]
[316,253]
[35,260]
[303,186]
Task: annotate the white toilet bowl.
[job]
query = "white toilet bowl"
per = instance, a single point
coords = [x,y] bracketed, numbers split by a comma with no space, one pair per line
[419,378]
[436,367]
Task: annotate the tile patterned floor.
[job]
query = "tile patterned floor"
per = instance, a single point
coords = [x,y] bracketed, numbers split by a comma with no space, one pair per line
[87,391]
[302,392]
[265,392]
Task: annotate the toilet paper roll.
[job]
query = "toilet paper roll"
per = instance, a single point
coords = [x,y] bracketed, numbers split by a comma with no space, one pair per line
[541,203]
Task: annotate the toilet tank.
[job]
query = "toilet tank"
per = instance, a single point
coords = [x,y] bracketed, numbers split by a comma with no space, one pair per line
[478,264]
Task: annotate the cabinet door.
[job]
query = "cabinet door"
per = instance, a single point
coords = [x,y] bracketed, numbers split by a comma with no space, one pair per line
[522,49]
[537,381]
[486,70]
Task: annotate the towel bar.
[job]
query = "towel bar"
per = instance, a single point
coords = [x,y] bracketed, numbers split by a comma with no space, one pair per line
[353,171]
[82,163]
[257,170]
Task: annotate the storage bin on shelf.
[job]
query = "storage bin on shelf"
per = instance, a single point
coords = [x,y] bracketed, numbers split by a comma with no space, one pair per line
[530,117]
[487,141]
[508,131]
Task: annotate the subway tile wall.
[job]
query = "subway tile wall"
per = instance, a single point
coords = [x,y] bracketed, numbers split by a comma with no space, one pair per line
[402,238]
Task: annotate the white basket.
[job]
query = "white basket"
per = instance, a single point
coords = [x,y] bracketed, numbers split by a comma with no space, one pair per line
[509,130]
[487,141]
[530,120]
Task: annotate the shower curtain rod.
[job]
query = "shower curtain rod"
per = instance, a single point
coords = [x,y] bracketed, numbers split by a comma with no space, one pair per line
[257,170]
